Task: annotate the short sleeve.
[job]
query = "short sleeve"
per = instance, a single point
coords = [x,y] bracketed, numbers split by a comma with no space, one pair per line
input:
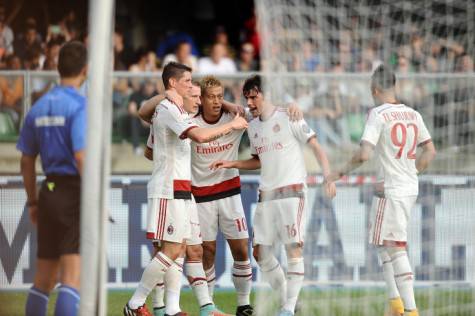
[78,129]
[150,138]
[423,136]
[173,117]
[373,129]
[301,130]
[27,142]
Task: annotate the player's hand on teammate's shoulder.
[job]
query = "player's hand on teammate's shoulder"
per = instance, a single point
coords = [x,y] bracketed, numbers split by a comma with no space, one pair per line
[221,164]
[174,97]
[239,122]
[294,112]
[233,108]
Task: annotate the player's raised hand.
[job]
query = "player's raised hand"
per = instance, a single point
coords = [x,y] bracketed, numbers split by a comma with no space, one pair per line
[174,97]
[221,164]
[239,122]
[295,113]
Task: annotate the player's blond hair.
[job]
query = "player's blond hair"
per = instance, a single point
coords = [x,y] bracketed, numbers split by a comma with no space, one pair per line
[209,82]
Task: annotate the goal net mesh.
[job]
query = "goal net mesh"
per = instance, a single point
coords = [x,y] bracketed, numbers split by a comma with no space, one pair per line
[320,55]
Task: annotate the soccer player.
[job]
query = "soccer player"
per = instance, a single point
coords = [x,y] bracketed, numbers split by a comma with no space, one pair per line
[55,128]
[169,189]
[217,193]
[277,148]
[394,131]
[194,250]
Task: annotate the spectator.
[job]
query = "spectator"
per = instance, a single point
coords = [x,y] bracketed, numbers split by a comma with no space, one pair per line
[29,41]
[142,61]
[182,55]
[221,37]
[312,60]
[246,61]
[217,63]
[6,37]
[138,128]
[466,64]
[50,61]
[123,55]
[327,116]
[11,90]
[171,42]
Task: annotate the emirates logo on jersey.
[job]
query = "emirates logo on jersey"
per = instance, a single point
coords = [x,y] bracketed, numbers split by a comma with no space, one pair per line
[276,128]
[213,149]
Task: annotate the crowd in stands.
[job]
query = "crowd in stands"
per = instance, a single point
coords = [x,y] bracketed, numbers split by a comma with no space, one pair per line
[27,48]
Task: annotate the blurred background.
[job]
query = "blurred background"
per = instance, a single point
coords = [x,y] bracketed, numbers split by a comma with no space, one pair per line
[320,54]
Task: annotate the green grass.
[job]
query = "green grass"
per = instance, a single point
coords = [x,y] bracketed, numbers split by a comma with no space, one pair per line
[313,302]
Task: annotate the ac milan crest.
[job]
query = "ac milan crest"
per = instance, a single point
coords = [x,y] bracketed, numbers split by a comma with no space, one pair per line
[255,135]
[276,128]
[170,229]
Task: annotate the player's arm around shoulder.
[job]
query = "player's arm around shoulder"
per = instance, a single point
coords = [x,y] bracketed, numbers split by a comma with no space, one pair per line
[253,163]
[205,135]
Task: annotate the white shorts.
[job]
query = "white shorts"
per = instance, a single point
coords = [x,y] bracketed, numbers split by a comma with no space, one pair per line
[281,220]
[169,219]
[388,219]
[195,228]
[227,214]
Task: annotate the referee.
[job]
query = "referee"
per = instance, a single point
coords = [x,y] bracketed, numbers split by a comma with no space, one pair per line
[55,128]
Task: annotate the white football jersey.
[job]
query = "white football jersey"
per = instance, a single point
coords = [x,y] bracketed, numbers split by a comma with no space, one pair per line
[171,151]
[279,144]
[396,130]
[208,185]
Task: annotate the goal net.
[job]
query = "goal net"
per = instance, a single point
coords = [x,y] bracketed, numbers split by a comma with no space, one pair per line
[320,54]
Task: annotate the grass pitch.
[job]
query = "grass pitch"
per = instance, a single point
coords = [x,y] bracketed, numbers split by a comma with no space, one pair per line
[313,302]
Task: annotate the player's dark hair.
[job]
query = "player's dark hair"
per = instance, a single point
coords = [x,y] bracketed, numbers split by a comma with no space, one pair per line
[173,70]
[72,59]
[252,83]
[383,78]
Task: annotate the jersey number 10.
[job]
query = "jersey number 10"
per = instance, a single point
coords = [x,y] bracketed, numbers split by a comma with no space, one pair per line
[401,140]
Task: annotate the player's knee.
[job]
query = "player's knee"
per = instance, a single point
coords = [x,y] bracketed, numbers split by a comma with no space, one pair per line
[209,253]
[256,254]
[194,253]
[240,254]
[294,250]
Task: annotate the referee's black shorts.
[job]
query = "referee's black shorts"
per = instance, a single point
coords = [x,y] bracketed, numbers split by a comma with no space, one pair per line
[58,216]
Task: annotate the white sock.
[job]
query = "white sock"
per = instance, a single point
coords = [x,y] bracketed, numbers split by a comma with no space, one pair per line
[173,287]
[197,277]
[211,279]
[388,273]
[157,298]
[242,279]
[404,279]
[154,273]
[295,274]
[272,272]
